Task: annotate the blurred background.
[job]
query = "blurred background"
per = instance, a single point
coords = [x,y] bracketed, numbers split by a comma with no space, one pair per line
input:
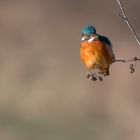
[44,94]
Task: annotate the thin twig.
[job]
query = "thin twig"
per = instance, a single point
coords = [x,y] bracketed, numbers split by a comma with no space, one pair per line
[130,60]
[124,17]
[132,65]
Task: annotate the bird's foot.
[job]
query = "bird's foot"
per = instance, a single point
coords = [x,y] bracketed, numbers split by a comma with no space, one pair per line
[94,76]
[100,78]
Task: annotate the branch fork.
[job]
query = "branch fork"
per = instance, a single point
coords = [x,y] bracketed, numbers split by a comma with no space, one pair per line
[124,17]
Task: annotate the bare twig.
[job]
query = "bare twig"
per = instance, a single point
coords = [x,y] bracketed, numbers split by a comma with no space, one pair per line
[124,17]
[132,65]
[130,60]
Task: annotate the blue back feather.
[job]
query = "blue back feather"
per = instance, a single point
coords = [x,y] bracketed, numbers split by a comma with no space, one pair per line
[105,40]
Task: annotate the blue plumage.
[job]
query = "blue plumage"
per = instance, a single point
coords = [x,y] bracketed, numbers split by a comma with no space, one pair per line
[105,40]
[88,29]
[96,50]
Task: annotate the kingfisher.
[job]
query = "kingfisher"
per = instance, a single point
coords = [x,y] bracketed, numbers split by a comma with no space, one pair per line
[96,53]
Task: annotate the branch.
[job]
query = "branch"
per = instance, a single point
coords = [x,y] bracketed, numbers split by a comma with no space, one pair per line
[95,76]
[132,65]
[130,60]
[124,17]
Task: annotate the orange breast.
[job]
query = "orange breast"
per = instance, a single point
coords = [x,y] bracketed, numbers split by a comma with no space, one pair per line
[95,53]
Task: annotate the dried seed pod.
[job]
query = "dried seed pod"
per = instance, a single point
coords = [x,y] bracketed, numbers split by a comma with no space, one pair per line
[135,58]
[132,70]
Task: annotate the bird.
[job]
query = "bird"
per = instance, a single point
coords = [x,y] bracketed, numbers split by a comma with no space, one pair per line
[96,53]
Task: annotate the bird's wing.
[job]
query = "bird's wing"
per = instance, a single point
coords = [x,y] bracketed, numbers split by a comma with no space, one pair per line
[105,40]
[108,44]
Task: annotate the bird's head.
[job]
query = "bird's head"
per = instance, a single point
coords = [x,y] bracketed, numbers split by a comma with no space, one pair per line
[88,29]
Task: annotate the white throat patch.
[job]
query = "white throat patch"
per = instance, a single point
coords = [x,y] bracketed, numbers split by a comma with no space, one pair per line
[90,39]
[82,38]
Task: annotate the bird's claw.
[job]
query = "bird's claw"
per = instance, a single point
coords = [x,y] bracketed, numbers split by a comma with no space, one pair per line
[94,77]
[100,78]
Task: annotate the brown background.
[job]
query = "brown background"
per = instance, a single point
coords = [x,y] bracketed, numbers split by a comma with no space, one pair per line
[44,94]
